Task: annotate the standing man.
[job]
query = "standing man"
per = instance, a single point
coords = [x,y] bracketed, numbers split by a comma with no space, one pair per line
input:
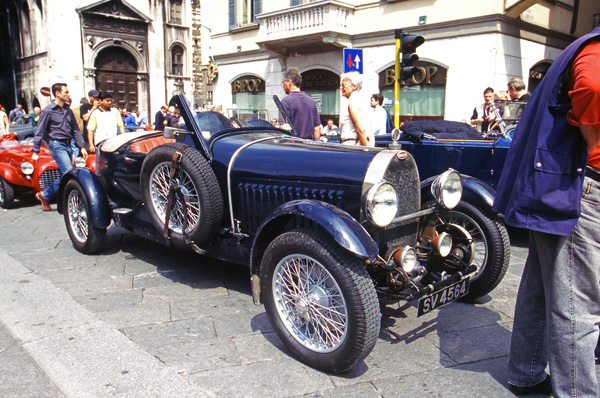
[104,122]
[128,119]
[159,119]
[57,126]
[379,115]
[516,90]
[86,109]
[300,108]
[550,185]
[486,114]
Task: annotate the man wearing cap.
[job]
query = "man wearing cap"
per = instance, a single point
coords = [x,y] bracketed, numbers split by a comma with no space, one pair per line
[86,110]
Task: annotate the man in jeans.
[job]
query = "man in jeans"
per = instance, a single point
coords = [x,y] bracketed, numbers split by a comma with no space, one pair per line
[550,185]
[58,127]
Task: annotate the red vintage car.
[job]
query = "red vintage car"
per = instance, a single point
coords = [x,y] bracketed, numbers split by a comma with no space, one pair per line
[19,174]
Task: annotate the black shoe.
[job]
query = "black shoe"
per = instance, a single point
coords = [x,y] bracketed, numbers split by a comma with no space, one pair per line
[545,388]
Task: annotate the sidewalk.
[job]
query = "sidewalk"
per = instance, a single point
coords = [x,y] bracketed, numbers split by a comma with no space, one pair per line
[142,320]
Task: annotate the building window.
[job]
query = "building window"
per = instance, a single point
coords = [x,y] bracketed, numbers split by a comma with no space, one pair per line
[177,60]
[243,12]
[175,12]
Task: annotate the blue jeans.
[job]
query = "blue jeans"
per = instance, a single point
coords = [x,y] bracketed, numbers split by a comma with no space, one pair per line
[558,306]
[62,154]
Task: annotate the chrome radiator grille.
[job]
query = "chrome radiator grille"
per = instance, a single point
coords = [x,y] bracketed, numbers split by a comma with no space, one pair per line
[48,178]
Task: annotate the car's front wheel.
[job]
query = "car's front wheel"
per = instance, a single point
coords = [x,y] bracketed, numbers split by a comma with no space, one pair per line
[491,246]
[7,194]
[86,238]
[320,300]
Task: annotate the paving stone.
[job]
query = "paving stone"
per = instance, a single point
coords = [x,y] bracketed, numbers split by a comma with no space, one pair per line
[106,301]
[482,379]
[136,315]
[19,374]
[173,333]
[262,379]
[215,305]
[260,347]
[77,274]
[241,323]
[365,390]
[175,292]
[198,356]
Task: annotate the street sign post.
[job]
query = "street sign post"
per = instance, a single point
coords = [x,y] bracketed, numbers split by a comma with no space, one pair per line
[353,60]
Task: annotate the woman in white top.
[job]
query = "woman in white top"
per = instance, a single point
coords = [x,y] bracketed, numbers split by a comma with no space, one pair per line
[4,124]
[352,123]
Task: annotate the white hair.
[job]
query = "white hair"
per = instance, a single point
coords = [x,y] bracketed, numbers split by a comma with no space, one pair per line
[354,78]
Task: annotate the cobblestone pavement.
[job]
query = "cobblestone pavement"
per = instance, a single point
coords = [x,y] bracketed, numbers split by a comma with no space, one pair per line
[140,319]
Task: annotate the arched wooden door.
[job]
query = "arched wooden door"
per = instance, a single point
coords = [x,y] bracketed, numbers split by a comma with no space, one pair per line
[116,72]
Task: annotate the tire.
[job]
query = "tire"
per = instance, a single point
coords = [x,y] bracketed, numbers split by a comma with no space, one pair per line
[492,246]
[198,184]
[85,237]
[339,293]
[7,194]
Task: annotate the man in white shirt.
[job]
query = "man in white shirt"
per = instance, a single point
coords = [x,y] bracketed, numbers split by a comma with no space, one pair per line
[104,122]
[379,115]
[328,129]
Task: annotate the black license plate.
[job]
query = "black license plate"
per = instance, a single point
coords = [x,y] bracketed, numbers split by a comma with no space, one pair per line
[443,296]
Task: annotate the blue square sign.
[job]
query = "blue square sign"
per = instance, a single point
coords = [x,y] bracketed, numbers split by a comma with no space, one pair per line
[353,60]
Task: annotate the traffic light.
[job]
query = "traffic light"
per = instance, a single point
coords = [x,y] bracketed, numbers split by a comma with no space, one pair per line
[408,47]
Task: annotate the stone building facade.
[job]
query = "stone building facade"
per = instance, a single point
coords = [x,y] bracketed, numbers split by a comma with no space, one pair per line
[143,51]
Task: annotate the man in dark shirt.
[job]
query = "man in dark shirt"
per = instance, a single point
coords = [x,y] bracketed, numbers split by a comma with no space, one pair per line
[159,118]
[300,108]
[85,110]
[58,127]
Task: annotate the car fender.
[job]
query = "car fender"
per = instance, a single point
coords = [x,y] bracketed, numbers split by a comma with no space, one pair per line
[13,175]
[474,190]
[99,208]
[342,227]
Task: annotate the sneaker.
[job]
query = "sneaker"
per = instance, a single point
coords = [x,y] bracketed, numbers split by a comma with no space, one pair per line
[43,201]
[543,388]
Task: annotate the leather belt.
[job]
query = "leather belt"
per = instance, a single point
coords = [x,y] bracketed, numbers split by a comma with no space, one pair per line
[349,139]
[592,173]
[63,140]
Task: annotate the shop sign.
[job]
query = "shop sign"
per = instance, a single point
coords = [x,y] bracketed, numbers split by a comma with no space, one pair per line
[428,74]
[320,79]
[248,84]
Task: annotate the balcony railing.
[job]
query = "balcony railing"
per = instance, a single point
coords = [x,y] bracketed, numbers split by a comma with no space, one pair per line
[326,17]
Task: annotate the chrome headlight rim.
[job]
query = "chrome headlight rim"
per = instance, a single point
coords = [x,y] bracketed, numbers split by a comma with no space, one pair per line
[406,258]
[27,168]
[375,214]
[79,162]
[447,189]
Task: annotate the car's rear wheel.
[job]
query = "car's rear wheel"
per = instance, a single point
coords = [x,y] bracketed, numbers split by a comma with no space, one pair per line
[320,300]
[7,194]
[491,246]
[85,237]
[198,186]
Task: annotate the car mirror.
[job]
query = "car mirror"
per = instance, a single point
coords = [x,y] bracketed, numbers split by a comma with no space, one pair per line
[178,134]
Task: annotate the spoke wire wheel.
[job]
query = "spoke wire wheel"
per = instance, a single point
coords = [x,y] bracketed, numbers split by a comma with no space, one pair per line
[480,242]
[310,303]
[159,192]
[78,217]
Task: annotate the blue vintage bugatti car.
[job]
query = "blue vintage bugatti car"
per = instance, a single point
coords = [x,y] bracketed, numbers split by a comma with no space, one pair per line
[326,229]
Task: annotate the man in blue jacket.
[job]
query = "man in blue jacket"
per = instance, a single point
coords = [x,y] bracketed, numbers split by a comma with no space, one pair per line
[550,185]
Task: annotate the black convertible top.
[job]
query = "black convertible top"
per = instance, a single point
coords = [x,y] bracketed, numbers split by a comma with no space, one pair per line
[421,129]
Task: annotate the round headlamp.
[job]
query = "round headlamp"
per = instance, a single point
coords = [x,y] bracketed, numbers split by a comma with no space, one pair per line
[406,258]
[447,188]
[381,204]
[79,161]
[27,168]
[442,244]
